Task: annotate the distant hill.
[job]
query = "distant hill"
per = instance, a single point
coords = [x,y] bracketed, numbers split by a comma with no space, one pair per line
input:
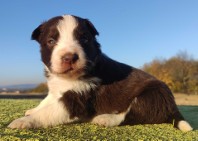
[19,87]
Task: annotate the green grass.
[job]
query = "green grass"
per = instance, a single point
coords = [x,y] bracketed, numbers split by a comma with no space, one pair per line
[12,109]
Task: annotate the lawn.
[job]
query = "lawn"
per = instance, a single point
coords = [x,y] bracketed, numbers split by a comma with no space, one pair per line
[11,109]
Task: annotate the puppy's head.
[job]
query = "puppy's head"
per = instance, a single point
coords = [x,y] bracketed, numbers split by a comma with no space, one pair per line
[68,45]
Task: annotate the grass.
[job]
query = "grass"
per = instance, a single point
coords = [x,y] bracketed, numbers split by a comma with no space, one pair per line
[12,109]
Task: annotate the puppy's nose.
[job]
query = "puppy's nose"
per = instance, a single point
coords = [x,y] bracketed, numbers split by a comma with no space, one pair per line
[70,58]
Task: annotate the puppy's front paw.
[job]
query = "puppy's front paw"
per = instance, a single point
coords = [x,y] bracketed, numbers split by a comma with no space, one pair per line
[22,123]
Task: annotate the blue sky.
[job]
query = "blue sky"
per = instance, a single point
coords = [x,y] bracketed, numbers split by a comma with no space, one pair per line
[131,31]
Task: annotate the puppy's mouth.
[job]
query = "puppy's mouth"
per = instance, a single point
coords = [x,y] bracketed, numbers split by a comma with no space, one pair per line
[65,68]
[69,69]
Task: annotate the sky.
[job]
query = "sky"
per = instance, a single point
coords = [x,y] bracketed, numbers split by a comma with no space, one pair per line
[131,31]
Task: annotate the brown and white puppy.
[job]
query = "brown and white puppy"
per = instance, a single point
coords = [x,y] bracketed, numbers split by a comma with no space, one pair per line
[87,86]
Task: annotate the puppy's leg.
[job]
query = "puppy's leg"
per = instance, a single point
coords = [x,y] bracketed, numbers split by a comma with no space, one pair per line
[50,115]
[46,101]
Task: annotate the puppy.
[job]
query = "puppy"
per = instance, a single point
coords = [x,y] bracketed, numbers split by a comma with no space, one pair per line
[87,86]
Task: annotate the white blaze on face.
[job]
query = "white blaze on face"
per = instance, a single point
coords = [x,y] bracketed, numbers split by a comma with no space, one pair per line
[66,44]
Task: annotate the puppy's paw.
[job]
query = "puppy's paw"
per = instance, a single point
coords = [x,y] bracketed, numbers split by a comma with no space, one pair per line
[22,123]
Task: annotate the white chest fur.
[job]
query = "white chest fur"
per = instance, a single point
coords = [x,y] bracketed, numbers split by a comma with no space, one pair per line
[59,85]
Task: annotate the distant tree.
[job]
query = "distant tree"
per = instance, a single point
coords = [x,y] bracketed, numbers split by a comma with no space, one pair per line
[41,88]
[180,72]
[158,69]
[193,81]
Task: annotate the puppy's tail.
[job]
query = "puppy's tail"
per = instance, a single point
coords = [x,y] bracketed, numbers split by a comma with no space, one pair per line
[184,126]
[180,123]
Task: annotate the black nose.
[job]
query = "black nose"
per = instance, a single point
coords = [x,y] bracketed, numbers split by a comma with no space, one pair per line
[70,58]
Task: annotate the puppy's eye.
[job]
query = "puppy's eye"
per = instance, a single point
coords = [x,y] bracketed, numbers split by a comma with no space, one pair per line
[51,41]
[84,38]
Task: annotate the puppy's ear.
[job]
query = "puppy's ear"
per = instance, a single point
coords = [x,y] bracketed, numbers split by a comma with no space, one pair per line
[91,28]
[37,32]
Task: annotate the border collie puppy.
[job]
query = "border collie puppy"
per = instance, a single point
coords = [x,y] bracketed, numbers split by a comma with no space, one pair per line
[87,86]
